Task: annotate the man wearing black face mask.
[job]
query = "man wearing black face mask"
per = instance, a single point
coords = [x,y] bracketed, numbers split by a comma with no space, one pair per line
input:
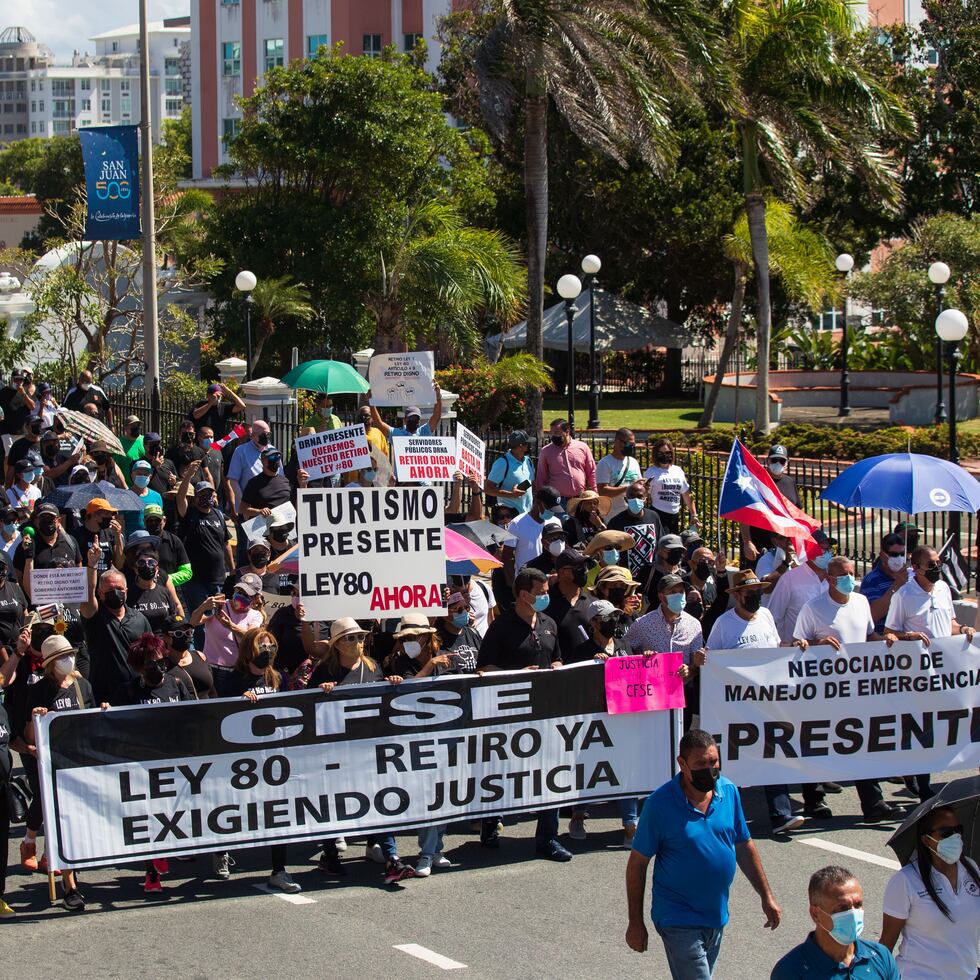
[565,464]
[414,426]
[173,554]
[50,547]
[29,442]
[101,526]
[267,489]
[56,462]
[670,553]
[259,556]
[606,634]
[111,627]
[616,472]
[569,603]
[709,578]
[695,827]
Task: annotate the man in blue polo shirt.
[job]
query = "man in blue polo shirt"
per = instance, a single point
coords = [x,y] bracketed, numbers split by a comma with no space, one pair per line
[695,828]
[834,948]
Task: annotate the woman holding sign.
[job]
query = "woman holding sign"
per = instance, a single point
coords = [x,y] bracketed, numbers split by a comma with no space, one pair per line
[343,660]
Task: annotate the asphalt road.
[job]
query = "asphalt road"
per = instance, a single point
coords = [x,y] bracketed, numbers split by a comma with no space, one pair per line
[499,913]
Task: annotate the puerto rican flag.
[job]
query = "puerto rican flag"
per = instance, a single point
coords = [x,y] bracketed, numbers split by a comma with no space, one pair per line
[749,496]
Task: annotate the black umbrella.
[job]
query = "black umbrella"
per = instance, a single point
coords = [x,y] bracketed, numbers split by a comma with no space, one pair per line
[483,533]
[77,496]
[962,796]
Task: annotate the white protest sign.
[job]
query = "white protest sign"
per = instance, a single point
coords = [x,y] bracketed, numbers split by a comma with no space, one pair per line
[334,451]
[257,527]
[420,459]
[470,453]
[399,380]
[271,602]
[64,585]
[787,716]
[371,553]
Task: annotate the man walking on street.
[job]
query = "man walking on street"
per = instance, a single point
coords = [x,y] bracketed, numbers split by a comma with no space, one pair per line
[695,828]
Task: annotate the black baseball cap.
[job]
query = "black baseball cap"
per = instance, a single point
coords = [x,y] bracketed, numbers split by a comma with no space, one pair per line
[550,496]
[571,557]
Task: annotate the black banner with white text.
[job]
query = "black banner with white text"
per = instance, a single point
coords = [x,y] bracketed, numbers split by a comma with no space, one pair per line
[134,783]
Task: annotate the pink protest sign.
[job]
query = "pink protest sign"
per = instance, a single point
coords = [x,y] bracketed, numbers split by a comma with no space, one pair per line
[647,683]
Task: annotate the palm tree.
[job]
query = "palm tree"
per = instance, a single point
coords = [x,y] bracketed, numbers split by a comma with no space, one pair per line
[800,256]
[801,87]
[611,69]
[440,276]
[275,300]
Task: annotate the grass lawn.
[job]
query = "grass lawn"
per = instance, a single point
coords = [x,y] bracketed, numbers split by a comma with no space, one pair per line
[970,425]
[641,414]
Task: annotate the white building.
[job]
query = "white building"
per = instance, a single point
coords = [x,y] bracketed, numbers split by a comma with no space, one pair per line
[102,89]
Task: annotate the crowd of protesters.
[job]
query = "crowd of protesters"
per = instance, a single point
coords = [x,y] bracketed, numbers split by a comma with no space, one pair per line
[600,559]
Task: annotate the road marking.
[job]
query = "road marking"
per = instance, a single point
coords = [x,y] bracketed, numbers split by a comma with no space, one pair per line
[436,959]
[292,899]
[826,845]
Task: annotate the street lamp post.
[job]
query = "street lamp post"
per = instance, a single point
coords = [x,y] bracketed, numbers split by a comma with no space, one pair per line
[569,288]
[245,282]
[844,263]
[951,327]
[939,276]
[591,265]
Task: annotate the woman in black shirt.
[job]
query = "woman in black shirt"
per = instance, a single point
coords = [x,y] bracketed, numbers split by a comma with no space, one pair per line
[183,662]
[149,589]
[416,652]
[61,689]
[13,605]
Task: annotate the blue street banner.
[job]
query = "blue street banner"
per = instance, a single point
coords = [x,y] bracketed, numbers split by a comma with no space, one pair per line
[112,181]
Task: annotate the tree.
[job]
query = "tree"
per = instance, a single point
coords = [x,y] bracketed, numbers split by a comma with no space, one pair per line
[901,287]
[173,158]
[800,87]
[274,301]
[801,257]
[610,68]
[348,162]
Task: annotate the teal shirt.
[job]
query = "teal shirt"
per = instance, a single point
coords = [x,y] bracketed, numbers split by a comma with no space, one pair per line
[871,961]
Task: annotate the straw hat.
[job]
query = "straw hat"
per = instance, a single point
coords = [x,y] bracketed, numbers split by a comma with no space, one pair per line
[619,540]
[747,579]
[605,503]
[414,624]
[345,626]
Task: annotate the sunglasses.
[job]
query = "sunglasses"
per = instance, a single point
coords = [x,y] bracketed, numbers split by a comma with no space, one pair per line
[896,554]
[181,634]
[941,833]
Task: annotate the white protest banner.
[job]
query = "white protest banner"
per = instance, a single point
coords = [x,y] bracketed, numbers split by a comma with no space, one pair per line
[134,783]
[257,527]
[333,451]
[470,452]
[370,552]
[64,585]
[867,712]
[400,380]
[271,601]
[421,459]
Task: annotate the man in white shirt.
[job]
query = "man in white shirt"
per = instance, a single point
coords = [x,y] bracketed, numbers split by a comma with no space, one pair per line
[527,529]
[749,625]
[922,609]
[616,471]
[835,618]
[799,585]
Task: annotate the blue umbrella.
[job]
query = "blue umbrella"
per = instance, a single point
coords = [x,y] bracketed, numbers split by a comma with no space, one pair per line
[76,497]
[907,482]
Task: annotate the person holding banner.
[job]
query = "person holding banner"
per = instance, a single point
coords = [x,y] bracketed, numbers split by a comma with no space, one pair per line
[375,438]
[799,585]
[414,426]
[668,628]
[933,904]
[458,632]
[61,689]
[695,828]
[268,488]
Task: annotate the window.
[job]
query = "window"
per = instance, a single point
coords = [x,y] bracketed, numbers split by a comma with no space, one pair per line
[33,128]
[40,85]
[115,46]
[85,85]
[230,129]
[22,128]
[33,84]
[62,87]
[372,45]
[229,3]
[9,127]
[273,53]
[86,105]
[174,107]
[86,122]
[231,54]
[106,106]
[126,104]
[42,128]
[314,42]
[60,128]
[124,85]
[34,106]
[410,41]
[8,107]
[932,57]
[104,84]
[173,86]
[40,106]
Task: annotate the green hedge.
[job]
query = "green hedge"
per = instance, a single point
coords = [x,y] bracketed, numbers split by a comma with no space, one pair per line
[826,442]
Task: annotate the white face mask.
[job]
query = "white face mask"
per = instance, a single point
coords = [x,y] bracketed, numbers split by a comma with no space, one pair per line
[777,469]
[779,556]
[556,548]
[412,648]
[64,665]
[896,562]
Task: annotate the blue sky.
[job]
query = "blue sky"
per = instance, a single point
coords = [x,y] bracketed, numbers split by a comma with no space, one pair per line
[67,25]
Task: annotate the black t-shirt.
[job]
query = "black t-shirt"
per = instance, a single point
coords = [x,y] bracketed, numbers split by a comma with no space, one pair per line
[19,449]
[106,539]
[17,693]
[215,418]
[239,683]
[215,466]
[588,649]
[464,646]
[653,596]
[626,519]
[13,602]
[569,618]
[545,562]
[400,664]
[15,410]
[172,552]
[160,477]
[196,676]
[76,399]
[6,760]
[502,592]
[204,537]
[108,641]
[46,693]
[170,689]
[184,452]
[266,491]
[288,631]
[155,603]
[324,673]
[511,644]
[63,553]
[58,459]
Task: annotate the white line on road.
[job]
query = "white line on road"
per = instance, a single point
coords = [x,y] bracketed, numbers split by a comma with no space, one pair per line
[826,845]
[436,959]
[292,899]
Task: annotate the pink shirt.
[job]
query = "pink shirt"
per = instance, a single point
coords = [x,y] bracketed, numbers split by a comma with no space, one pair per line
[569,469]
[220,644]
